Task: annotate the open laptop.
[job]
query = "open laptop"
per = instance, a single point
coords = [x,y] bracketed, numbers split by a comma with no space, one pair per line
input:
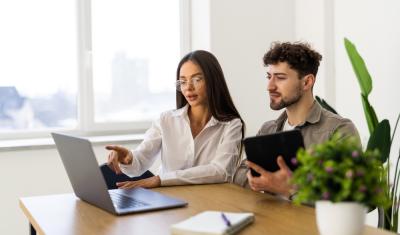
[89,185]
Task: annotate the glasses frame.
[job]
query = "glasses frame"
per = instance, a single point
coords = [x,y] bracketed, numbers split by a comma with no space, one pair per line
[195,81]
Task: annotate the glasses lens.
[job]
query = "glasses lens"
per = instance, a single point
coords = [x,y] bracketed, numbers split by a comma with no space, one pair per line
[181,85]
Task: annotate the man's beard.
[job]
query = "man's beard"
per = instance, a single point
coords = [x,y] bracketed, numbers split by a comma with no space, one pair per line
[286,102]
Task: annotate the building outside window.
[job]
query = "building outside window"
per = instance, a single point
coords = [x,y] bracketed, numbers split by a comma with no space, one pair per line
[87,66]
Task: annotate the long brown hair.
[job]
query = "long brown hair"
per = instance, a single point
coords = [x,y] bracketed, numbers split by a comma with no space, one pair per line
[219,99]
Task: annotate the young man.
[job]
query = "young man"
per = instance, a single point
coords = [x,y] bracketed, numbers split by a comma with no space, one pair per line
[291,74]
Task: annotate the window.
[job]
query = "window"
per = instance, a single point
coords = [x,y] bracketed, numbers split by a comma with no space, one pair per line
[87,66]
[135,53]
[38,60]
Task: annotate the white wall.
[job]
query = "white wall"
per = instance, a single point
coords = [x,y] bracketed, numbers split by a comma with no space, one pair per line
[375,31]
[314,25]
[372,26]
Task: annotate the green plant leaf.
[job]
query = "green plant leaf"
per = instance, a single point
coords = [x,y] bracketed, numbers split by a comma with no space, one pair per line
[361,71]
[395,187]
[395,127]
[395,220]
[380,139]
[370,115]
[325,105]
[339,170]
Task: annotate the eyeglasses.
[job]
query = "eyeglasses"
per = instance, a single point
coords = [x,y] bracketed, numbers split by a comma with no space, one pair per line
[184,84]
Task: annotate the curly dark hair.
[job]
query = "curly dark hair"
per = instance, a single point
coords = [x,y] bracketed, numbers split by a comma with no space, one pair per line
[300,57]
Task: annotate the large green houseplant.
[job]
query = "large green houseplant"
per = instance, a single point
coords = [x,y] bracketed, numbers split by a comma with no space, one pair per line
[380,138]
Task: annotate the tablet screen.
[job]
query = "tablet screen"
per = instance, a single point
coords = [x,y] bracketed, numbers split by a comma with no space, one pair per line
[264,150]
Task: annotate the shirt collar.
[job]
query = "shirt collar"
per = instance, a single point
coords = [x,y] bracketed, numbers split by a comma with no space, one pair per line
[183,112]
[313,117]
[315,113]
[213,122]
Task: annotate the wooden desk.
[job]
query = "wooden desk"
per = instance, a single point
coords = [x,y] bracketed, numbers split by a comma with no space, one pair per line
[66,214]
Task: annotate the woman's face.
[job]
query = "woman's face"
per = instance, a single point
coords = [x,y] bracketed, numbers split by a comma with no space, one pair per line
[193,84]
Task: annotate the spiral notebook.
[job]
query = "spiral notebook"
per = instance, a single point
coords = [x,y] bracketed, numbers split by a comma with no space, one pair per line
[213,223]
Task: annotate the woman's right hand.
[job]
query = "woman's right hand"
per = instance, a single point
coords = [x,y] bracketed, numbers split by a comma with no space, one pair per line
[118,155]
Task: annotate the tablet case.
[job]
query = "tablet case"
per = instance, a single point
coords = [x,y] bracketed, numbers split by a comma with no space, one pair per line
[264,150]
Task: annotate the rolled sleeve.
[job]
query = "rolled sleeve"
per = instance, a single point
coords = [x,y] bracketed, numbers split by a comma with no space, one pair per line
[145,154]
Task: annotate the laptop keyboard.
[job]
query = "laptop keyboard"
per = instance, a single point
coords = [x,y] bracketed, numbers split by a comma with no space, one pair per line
[123,201]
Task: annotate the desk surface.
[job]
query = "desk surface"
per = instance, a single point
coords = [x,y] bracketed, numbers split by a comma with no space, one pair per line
[66,214]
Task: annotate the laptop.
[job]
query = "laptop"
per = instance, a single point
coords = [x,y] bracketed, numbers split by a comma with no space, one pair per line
[89,185]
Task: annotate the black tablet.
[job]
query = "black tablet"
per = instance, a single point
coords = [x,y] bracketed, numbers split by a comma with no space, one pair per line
[264,150]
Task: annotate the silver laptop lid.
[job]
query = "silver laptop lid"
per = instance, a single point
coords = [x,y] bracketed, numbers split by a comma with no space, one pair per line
[83,170]
[88,182]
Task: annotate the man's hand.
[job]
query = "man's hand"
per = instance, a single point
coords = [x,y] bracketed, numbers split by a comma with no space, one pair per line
[151,182]
[274,182]
[118,155]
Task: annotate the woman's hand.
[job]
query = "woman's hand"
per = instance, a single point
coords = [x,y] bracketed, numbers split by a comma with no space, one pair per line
[151,182]
[118,155]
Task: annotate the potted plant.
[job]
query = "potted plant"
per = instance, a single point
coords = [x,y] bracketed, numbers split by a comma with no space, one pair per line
[380,138]
[343,181]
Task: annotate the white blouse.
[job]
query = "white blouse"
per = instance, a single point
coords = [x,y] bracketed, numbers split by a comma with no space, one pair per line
[211,157]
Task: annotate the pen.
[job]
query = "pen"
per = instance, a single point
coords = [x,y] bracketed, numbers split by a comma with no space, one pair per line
[225,219]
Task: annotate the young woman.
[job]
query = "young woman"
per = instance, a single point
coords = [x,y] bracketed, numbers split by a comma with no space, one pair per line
[199,142]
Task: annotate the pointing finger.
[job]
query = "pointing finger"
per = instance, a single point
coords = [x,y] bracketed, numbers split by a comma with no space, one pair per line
[117,148]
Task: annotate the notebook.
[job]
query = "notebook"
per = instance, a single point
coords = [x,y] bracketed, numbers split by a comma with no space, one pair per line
[213,223]
[89,185]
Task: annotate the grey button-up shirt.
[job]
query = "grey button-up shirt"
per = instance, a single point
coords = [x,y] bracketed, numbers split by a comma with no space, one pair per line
[318,127]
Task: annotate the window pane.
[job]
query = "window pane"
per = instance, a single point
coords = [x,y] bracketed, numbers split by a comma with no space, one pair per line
[136,48]
[38,61]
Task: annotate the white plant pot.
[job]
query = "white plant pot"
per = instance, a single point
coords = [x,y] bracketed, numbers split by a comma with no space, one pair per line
[344,218]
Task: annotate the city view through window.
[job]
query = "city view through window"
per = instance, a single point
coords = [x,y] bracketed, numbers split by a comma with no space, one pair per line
[136,49]
[135,52]
[38,60]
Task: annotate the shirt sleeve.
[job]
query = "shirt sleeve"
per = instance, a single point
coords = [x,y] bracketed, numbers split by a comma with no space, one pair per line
[347,128]
[145,154]
[220,169]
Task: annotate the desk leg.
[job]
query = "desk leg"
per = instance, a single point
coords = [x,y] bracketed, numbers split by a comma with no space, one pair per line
[32,230]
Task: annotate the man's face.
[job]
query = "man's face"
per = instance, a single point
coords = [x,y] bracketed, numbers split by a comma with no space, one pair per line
[284,86]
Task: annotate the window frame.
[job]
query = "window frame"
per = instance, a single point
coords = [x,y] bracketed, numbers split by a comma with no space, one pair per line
[85,99]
